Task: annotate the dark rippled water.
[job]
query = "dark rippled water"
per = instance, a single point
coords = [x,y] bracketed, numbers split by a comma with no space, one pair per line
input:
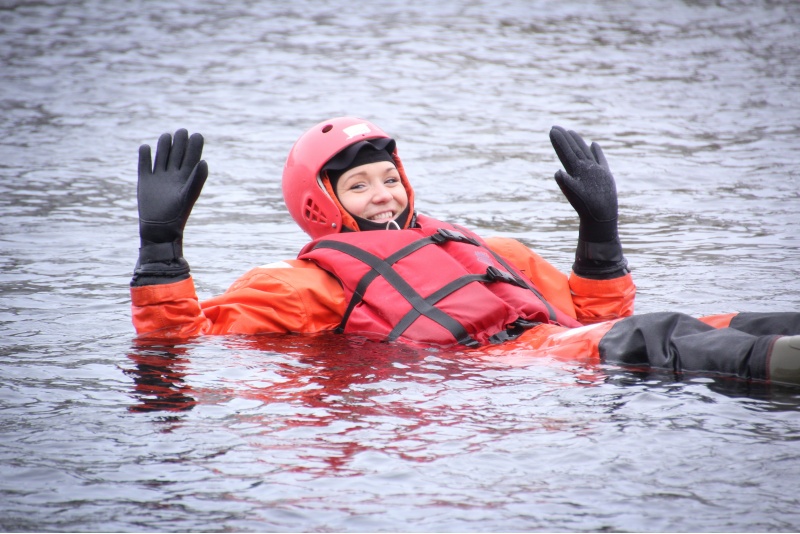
[697,105]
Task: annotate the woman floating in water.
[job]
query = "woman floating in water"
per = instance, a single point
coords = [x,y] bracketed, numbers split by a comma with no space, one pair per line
[377,268]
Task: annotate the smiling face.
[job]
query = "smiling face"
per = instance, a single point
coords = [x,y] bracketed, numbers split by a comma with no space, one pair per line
[372,191]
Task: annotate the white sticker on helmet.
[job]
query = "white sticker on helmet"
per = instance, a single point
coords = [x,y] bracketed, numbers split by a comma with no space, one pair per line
[356,129]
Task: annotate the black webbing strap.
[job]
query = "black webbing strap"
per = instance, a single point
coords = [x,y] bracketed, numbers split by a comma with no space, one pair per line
[442,235]
[493,274]
[551,313]
[412,315]
[522,282]
[367,279]
[385,269]
[512,331]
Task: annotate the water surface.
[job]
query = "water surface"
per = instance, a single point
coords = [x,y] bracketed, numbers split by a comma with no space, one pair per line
[697,107]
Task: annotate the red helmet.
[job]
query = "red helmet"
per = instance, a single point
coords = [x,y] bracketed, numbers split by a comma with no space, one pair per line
[307,193]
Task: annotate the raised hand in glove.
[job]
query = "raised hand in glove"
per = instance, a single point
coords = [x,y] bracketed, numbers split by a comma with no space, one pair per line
[166,193]
[589,186]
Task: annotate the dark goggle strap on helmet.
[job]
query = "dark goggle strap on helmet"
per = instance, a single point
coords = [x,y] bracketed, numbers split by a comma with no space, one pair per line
[343,159]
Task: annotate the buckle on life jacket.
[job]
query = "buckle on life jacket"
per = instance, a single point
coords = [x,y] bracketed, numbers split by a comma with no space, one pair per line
[443,235]
[512,331]
[493,274]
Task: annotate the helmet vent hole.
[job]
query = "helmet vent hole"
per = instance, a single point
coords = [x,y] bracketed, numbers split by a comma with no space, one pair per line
[327,128]
[313,213]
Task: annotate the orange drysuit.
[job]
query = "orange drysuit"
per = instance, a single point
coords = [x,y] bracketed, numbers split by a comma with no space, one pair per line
[298,296]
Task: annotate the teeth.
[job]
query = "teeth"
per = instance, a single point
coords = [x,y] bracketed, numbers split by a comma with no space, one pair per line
[385,215]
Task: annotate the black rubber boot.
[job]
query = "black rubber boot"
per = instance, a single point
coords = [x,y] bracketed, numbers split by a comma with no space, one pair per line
[681,343]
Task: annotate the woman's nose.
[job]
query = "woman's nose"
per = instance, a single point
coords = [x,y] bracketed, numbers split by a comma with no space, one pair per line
[381,194]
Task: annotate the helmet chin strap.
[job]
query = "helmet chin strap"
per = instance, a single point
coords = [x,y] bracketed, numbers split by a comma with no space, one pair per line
[395,224]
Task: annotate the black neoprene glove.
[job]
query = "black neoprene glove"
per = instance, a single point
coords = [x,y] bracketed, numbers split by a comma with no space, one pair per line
[166,193]
[589,186]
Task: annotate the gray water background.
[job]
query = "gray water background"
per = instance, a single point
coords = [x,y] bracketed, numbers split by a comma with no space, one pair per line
[697,106]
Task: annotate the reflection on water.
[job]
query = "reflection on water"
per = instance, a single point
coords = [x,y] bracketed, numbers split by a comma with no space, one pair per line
[160,384]
[696,105]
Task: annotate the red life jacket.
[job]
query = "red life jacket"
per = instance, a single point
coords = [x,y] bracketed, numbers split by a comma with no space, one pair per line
[436,284]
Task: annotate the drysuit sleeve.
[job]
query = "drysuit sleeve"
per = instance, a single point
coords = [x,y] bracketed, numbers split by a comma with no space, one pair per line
[597,301]
[290,296]
[587,300]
